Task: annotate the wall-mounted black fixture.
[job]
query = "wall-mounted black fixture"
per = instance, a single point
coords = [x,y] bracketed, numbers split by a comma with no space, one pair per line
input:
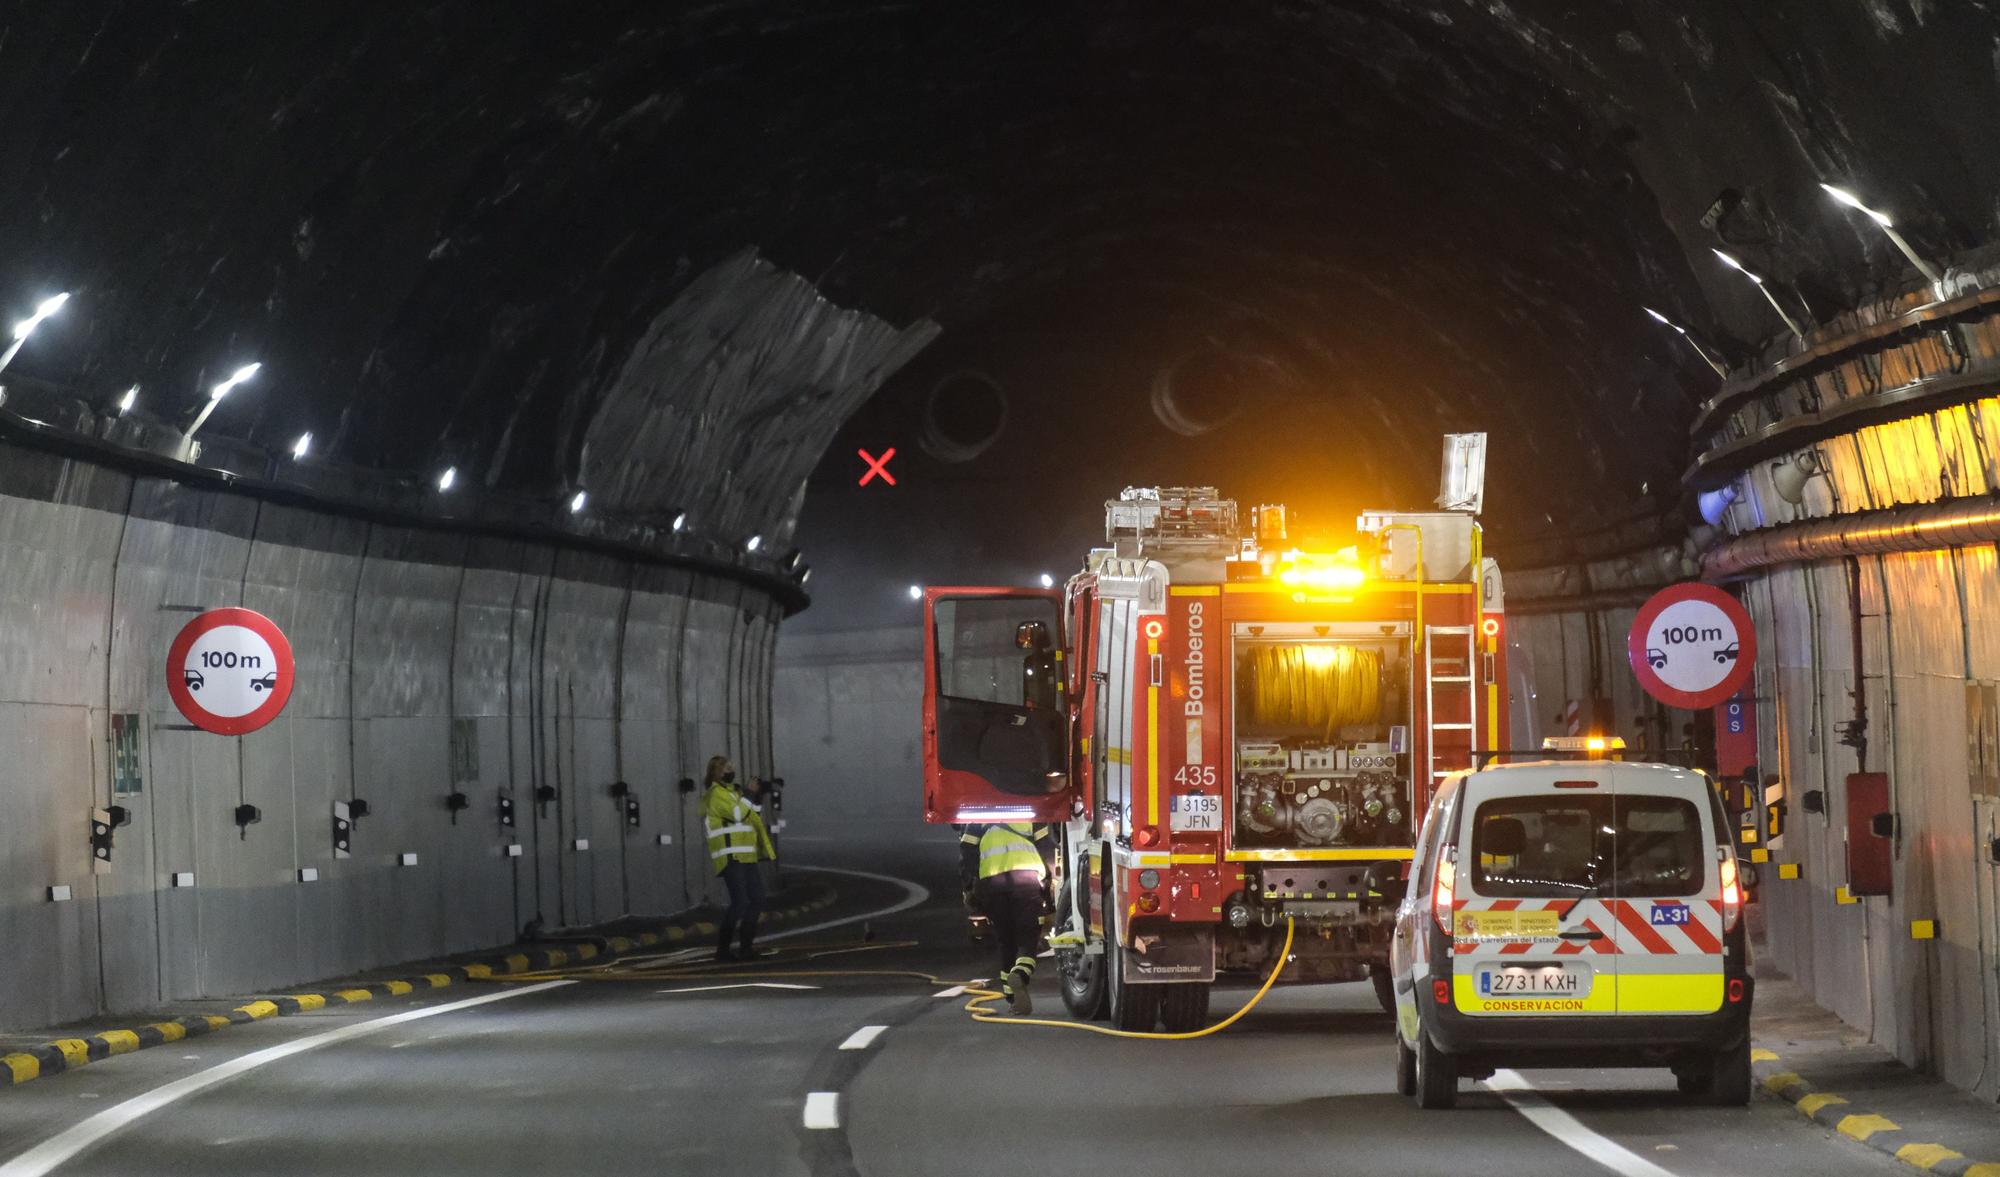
[1993,851]
[506,812]
[1814,800]
[455,802]
[543,795]
[686,784]
[357,809]
[247,815]
[343,827]
[1884,825]
[102,823]
[623,791]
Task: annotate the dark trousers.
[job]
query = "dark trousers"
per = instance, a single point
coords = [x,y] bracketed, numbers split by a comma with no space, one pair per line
[1013,901]
[746,900]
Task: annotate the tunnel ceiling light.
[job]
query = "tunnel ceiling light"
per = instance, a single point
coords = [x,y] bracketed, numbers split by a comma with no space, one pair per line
[753,543]
[221,390]
[680,520]
[793,559]
[43,310]
[1889,227]
[1048,581]
[916,592]
[1739,267]
[303,445]
[577,501]
[805,574]
[449,476]
[1713,363]
[26,327]
[130,398]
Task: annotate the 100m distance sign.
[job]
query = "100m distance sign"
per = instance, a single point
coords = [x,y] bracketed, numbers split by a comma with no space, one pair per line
[230,671]
[1691,646]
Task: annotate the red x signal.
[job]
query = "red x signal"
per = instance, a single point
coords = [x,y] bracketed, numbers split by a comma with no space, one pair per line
[877,466]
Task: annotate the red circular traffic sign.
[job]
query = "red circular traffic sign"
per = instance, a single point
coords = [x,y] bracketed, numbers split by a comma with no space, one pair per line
[1691,646]
[230,671]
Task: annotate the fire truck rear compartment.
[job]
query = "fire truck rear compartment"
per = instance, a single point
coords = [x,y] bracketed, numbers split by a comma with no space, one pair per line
[1322,743]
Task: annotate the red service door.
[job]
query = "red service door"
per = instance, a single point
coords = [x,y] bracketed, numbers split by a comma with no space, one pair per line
[996,717]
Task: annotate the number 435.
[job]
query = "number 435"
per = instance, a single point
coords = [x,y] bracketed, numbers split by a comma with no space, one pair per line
[1195,775]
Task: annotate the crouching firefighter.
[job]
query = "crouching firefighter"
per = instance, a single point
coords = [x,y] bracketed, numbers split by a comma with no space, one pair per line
[1005,869]
[737,840]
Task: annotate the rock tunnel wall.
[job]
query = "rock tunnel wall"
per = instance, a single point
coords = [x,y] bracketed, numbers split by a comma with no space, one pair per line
[428,663]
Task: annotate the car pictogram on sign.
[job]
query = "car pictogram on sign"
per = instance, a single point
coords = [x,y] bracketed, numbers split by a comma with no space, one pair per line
[1727,653]
[268,682]
[1657,657]
[195,680]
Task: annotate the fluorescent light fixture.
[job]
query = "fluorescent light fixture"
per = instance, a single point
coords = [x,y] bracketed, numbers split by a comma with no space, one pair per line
[576,503]
[1854,202]
[805,576]
[1889,227]
[235,378]
[1048,581]
[302,445]
[916,592]
[449,476]
[1733,264]
[130,398]
[1713,363]
[1790,322]
[754,542]
[680,520]
[43,310]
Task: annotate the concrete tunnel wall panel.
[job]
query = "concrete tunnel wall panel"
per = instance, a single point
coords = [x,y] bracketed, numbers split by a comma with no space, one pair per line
[397,635]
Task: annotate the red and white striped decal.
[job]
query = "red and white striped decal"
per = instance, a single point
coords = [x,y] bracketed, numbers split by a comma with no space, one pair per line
[1700,936]
[1592,917]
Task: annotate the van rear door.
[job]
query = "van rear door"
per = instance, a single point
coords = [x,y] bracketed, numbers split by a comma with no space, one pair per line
[1531,932]
[1666,892]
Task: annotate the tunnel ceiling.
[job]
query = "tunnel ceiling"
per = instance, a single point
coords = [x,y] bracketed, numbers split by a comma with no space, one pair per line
[1280,246]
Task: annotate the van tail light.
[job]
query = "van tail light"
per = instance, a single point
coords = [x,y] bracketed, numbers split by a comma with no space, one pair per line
[1732,894]
[1441,991]
[1441,894]
[1735,990]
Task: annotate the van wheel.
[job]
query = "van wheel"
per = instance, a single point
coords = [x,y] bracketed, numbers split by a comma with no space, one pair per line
[1436,1075]
[1729,1084]
[1406,1067]
[1385,988]
[1133,1007]
[1184,1006]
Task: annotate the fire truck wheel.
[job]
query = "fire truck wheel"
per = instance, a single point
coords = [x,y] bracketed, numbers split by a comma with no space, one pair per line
[1436,1075]
[1133,1007]
[1080,974]
[1406,1067]
[1184,1008]
[1385,988]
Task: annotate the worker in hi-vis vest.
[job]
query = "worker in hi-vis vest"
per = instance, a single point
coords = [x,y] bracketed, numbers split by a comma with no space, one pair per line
[737,841]
[1004,869]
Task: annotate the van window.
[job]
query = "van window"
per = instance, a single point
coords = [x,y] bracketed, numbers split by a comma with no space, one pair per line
[1540,847]
[1568,846]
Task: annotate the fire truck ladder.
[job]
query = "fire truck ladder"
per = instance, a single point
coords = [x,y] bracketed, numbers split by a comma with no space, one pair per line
[1451,698]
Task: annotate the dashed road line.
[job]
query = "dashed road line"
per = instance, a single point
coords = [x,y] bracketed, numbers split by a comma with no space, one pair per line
[1523,1098]
[822,1110]
[863,1038]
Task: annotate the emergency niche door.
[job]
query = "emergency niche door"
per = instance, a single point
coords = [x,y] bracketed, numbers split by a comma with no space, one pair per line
[995,721]
[1531,933]
[1666,893]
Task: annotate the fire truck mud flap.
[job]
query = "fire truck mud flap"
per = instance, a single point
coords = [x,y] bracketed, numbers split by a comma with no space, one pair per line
[1171,954]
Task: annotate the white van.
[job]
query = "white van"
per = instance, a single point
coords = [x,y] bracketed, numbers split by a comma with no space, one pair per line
[1573,914]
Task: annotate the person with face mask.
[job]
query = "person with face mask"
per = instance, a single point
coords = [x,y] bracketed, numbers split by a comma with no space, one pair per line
[737,841]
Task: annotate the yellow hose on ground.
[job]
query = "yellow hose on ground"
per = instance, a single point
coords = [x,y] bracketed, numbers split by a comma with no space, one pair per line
[976,1007]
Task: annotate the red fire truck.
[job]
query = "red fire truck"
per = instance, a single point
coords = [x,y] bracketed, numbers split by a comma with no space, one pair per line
[1229,732]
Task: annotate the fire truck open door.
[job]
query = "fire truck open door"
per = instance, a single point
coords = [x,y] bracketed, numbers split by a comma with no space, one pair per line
[995,722]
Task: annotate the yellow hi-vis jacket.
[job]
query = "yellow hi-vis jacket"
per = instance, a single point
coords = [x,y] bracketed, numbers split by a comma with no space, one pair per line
[1009,847]
[736,830]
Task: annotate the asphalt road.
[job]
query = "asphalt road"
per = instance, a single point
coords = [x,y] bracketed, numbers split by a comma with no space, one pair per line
[696,1076]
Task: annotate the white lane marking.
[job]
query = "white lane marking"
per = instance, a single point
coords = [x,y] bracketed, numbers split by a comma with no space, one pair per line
[739,985]
[1523,1098]
[863,1038]
[823,1109]
[913,894]
[65,1145]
